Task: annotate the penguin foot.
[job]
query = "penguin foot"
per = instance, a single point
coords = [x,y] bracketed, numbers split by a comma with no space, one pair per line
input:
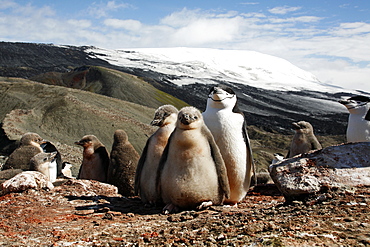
[204,205]
[170,208]
[233,205]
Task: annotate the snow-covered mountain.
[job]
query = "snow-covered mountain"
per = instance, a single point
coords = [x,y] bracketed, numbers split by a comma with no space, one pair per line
[271,91]
[207,66]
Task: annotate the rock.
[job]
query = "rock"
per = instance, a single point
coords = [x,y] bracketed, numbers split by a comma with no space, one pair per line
[8,174]
[334,167]
[82,187]
[25,181]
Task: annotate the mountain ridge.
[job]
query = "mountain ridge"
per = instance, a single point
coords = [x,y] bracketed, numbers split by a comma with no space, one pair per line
[268,109]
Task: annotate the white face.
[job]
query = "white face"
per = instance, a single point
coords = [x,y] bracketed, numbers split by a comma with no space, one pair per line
[356,107]
[220,98]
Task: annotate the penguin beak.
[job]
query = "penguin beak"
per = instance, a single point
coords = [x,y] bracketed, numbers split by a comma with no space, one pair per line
[186,119]
[296,126]
[156,122]
[216,93]
[53,155]
[217,90]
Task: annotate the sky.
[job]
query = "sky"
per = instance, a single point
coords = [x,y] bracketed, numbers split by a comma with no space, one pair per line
[329,38]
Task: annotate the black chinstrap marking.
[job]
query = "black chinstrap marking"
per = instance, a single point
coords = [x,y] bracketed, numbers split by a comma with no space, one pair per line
[359,105]
[219,100]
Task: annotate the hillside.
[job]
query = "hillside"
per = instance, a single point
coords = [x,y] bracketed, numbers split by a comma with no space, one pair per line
[110,82]
[63,115]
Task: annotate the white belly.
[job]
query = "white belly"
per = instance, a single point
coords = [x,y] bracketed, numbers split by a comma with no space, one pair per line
[189,176]
[358,129]
[227,129]
[53,171]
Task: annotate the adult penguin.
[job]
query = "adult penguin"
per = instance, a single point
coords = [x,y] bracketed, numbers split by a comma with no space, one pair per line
[358,129]
[228,126]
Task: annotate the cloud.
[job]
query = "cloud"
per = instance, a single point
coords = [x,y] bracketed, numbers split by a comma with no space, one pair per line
[283,10]
[132,25]
[6,4]
[333,54]
[250,3]
[350,29]
[102,9]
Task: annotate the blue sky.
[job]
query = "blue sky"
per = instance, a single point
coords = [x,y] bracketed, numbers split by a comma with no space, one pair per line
[330,39]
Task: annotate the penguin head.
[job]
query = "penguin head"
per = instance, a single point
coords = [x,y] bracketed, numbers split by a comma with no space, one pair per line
[302,127]
[120,136]
[30,138]
[164,115]
[41,162]
[358,105]
[221,97]
[89,141]
[279,156]
[189,118]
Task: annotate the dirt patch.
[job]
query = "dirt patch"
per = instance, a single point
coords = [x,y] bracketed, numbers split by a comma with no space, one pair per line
[68,216]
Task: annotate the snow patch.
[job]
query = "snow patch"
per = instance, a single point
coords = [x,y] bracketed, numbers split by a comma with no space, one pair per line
[208,66]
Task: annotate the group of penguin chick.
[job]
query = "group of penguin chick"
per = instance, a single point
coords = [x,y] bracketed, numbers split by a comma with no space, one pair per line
[193,160]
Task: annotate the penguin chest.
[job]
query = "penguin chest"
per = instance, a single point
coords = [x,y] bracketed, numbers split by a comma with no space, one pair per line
[227,130]
[92,167]
[358,129]
[52,167]
[156,147]
[189,175]
[300,144]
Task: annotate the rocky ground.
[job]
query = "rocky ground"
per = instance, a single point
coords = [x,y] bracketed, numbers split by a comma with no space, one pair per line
[89,213]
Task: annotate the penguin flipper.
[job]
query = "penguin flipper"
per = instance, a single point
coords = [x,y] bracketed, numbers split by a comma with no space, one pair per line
[219,162]
[315,145]
[103,153]
[367,117]
[249,162]
[161,165]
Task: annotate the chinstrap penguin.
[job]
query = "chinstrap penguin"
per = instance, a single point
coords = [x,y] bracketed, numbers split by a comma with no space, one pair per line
[95,160]
[43,162]
[358,129]
[165,118]
[303,140]
[49,147]
[191,172]
[30,145]
[228,126]
[123,162]
[66,170]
